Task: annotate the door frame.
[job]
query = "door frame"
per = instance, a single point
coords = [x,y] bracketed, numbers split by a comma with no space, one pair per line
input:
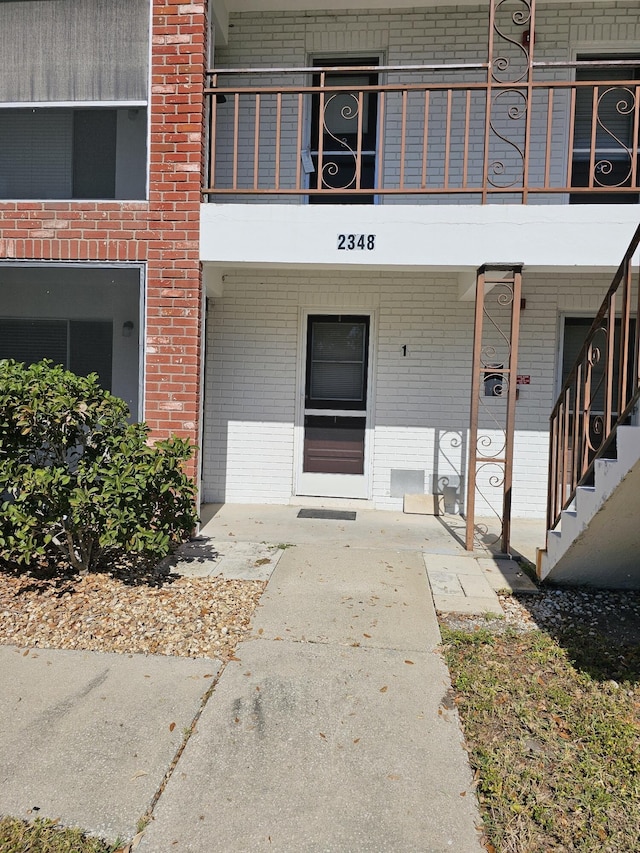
[369,411]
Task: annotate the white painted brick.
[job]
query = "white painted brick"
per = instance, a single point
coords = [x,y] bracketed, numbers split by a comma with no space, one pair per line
[421,402]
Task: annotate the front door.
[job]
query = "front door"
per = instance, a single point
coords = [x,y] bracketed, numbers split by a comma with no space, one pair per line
[334,450]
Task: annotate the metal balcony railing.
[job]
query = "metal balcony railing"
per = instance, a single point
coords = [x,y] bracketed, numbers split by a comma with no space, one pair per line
[451,131]
[600,393]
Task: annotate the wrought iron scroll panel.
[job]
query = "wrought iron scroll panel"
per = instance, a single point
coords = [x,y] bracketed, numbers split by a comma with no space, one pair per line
[493,402]
[343,133]
[509,96]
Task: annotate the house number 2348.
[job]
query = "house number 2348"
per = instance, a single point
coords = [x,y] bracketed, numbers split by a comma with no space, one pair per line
[349,242]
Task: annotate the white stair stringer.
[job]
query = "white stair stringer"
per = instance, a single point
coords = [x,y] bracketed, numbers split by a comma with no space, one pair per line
[597,542]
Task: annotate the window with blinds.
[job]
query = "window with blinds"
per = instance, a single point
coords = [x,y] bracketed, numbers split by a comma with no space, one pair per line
[82,346]
[615,112]
[337,362]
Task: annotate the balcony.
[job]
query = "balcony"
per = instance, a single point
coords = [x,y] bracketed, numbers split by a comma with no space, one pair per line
[560,133]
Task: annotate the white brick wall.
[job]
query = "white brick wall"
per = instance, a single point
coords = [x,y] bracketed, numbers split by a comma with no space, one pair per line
[418,36]
[421,401]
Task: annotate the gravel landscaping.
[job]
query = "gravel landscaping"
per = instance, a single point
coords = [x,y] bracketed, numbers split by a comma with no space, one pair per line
[612,613]
[189,617]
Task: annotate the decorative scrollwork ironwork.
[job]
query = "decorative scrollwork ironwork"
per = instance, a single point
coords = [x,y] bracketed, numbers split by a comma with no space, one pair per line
[511,66]
[589,388]
[496,480]
[331,168]
[594,354]
[490,447]
[492,474]
[503,297]
[605,166]
[515,163]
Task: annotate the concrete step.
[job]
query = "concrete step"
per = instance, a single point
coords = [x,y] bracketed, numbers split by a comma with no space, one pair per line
[591,543]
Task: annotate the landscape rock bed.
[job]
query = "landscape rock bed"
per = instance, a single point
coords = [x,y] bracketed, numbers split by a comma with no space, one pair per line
[613,613]
[188,617]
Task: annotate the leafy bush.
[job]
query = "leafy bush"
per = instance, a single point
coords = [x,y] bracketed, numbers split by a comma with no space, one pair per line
[76,479]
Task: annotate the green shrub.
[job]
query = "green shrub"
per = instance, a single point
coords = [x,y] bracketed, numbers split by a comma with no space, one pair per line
[77,479]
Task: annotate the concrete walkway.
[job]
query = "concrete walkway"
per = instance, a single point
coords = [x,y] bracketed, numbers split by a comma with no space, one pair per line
[87,738]
[334,730]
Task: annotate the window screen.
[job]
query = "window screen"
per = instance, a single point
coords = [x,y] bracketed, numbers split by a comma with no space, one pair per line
[29,341]
[94,153]
[36,151]
[91,349]
[74,50]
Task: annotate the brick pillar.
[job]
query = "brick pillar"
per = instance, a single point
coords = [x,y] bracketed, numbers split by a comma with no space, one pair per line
[174,279]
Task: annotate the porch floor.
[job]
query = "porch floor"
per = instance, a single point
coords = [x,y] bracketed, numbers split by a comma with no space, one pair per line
[247,541]
[444,534]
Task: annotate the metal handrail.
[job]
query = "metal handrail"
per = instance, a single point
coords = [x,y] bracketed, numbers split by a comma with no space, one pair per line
[581,432]
[435,137]
[443,66]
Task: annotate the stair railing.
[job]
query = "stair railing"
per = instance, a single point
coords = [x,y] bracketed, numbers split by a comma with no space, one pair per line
[599,394]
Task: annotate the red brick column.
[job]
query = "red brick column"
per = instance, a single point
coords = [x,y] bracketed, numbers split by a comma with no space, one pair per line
[163,232]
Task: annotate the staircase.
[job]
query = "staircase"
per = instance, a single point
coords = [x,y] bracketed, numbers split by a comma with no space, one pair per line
[598,540]
[593,510]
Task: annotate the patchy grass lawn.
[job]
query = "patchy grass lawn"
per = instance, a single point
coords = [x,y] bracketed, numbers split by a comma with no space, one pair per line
[553,731]
[45,836]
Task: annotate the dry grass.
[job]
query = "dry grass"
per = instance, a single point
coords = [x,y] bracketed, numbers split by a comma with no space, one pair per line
[45,836]
[553,729]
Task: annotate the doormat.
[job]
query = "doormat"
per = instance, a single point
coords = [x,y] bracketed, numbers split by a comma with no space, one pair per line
[333,514]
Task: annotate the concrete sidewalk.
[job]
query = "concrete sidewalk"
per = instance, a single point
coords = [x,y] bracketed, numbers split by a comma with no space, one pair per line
[86,738]
[333,731]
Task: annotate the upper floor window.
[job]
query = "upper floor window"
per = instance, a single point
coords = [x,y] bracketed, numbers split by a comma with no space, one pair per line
[73,96]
